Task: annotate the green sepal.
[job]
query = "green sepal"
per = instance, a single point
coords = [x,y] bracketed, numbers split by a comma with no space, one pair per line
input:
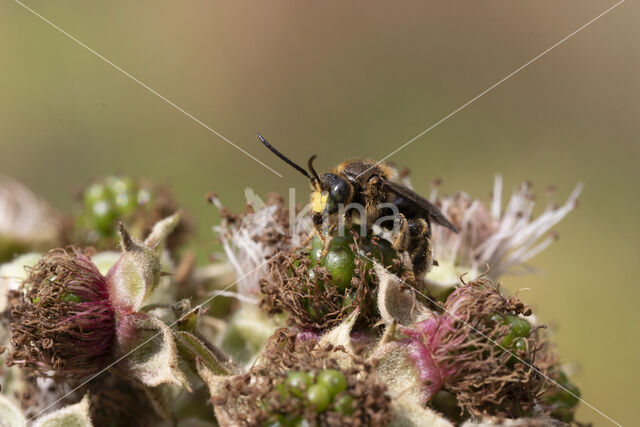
[196,350]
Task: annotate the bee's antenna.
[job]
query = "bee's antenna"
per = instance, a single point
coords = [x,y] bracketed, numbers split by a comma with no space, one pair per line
[313,171]
[288,161]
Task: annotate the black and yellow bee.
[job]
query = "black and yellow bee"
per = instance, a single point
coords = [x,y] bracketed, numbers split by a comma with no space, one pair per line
[368,184]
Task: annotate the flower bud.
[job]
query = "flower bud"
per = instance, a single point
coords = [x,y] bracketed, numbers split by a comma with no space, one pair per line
[137,272]
[134,275]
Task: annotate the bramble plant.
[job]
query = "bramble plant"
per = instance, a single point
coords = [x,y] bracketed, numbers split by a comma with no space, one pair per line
[103,309]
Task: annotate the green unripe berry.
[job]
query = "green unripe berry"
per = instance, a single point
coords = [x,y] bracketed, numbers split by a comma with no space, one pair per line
[124,194]
[96,193]
[316,250]
[298,382]
[71,298]
[344,404]
[339,261]
[121,185]
[103,216]
[564,401]
[284,421]
[319,397]
[126,203]
[519,326]
[520,344]
[333,379]
[507,340]
[382,252]
[573,398]
[566,398]
[144,196]
[282,390]
[496,318]
[340,258]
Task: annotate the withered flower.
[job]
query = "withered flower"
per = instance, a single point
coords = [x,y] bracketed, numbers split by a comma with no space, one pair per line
[483,351]
[296,380]
[320,292]
[64,323]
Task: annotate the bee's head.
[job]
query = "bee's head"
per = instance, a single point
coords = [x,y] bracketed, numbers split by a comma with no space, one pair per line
[329,192]
[327,198]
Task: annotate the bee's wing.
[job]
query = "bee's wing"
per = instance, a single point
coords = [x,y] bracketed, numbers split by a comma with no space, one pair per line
[431,211]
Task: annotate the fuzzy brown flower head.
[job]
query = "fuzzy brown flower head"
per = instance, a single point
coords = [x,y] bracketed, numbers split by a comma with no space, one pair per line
[319,292]
[299,380]
[482,350]
[64,322]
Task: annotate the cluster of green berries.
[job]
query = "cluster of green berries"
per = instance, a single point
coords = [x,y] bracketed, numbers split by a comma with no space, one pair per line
[564,401]
[340,259]
[108,201]
[326,391]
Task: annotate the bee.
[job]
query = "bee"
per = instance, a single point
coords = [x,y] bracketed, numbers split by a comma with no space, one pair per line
[369,184]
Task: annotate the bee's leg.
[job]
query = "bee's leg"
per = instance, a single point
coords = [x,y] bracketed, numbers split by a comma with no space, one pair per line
[325,247]
[374,195]
[420,246]
[326,239]
[401,235]
[422,256]
[307,239]
[317,231]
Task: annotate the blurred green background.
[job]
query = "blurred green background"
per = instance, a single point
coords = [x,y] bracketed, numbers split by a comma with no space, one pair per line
[349,79]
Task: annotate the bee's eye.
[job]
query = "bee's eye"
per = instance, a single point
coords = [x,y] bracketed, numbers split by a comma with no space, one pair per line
[339,191]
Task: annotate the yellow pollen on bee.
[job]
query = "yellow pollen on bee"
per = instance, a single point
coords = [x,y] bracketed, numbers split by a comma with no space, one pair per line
[318,201]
